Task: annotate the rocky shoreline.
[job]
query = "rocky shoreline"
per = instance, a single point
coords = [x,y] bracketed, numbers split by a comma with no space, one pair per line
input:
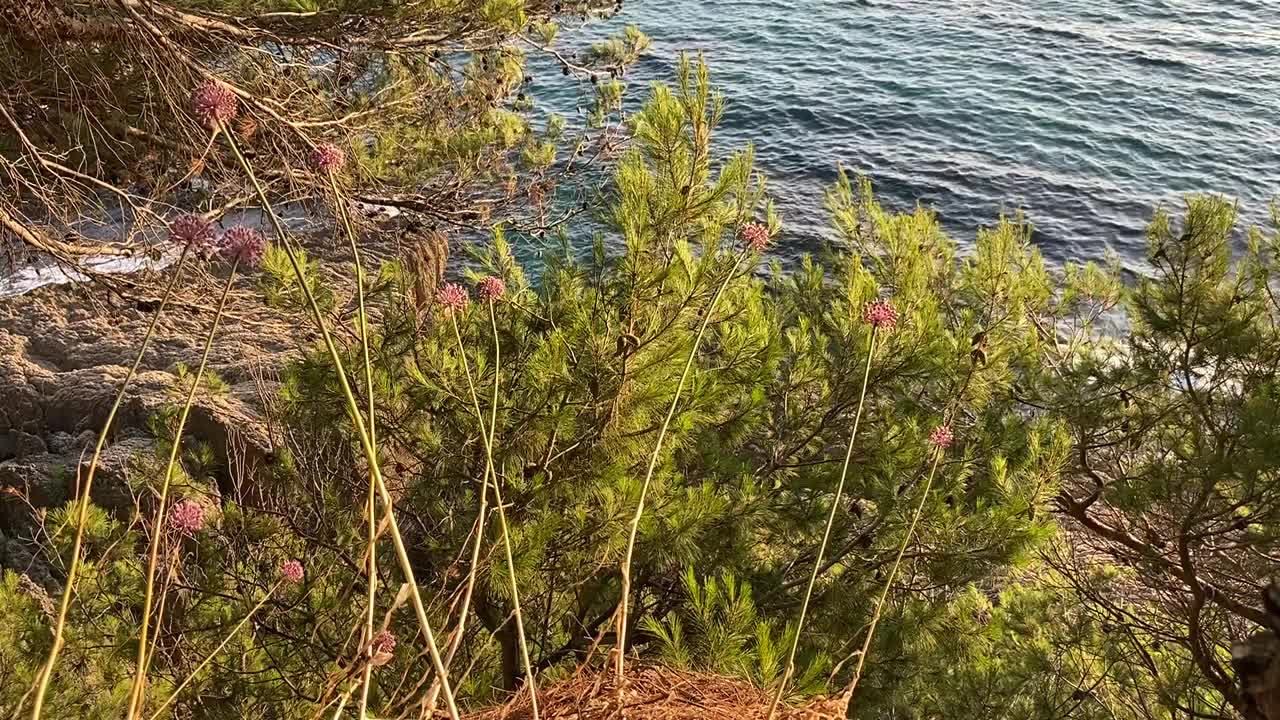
[66,349]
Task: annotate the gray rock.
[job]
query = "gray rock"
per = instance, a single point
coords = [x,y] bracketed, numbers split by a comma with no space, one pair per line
[38,482]
[41,480]
[18,555]
[61,443]
[65,352]
[1256,661]
[17,443]
[28,444]
[112,489]
[38,594]
[28,486]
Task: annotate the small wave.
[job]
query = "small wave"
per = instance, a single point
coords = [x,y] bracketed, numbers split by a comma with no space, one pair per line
[1149,59]
[1057,32]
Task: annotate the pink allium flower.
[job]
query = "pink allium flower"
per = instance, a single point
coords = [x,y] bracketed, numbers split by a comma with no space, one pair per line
[291,571]
[384,645]
[243,245]
[214,104]
[191,230]
[384,642]
[187,517]
[491,288]
[880,315]
[941,437]
[328,157]
[754,236]
[453,297]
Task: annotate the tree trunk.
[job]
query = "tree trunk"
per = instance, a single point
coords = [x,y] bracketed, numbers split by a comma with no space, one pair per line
[1257,662]
[497,619]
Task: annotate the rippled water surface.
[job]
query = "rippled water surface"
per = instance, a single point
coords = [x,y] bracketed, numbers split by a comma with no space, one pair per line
[1085,113]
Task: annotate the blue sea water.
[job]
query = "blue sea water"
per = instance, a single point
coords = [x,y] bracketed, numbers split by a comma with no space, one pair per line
[1086,114]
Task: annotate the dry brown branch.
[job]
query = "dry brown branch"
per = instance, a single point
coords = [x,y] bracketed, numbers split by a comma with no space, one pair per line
[62,251]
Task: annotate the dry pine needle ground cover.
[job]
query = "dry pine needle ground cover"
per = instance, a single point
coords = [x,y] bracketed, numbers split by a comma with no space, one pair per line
[655,693]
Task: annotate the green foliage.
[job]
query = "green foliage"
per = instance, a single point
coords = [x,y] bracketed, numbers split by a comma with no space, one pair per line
[1174,420]
[719,629]
[1156,446]
[620,50]
[1030,650]
[279,283]
[740,495]
[209,380]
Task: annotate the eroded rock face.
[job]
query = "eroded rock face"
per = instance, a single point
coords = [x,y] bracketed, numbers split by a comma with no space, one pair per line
[27,485]
[66,350]
[64,353]
[17,443]
[23,557]
[49,480]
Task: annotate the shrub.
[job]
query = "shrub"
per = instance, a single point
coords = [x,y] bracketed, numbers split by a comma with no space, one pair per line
[1091,527]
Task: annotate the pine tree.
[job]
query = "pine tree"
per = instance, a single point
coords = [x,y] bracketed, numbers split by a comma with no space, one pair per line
[1173,477]
[1039,518]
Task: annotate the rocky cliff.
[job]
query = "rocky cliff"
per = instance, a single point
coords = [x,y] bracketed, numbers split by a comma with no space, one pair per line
[65,350]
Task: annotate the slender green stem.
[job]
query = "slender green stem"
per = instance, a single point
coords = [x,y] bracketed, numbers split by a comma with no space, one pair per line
[157,529]
[370,599]
[363,314]
[481,522]
[342,704]
[826,534]
[491,471]
[366,442]
[46,671]
[893,573]
[502,520]
[164,598]
[482,515]
[493,407]
[620,660]
[209,658]
[515,601]
[363,319]
[482,518]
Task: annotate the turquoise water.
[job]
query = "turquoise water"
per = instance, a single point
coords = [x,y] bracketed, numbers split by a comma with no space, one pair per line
[1084,113]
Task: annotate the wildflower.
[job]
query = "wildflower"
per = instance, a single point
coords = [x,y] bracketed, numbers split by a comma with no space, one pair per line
[213,104]
[453,297]
[384,642]
[384,646]
[291,571]
[243,245]
[491,288]
[187,517]
[191,231]
[754,236]
[328,157]
[880,315]
[941,437]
